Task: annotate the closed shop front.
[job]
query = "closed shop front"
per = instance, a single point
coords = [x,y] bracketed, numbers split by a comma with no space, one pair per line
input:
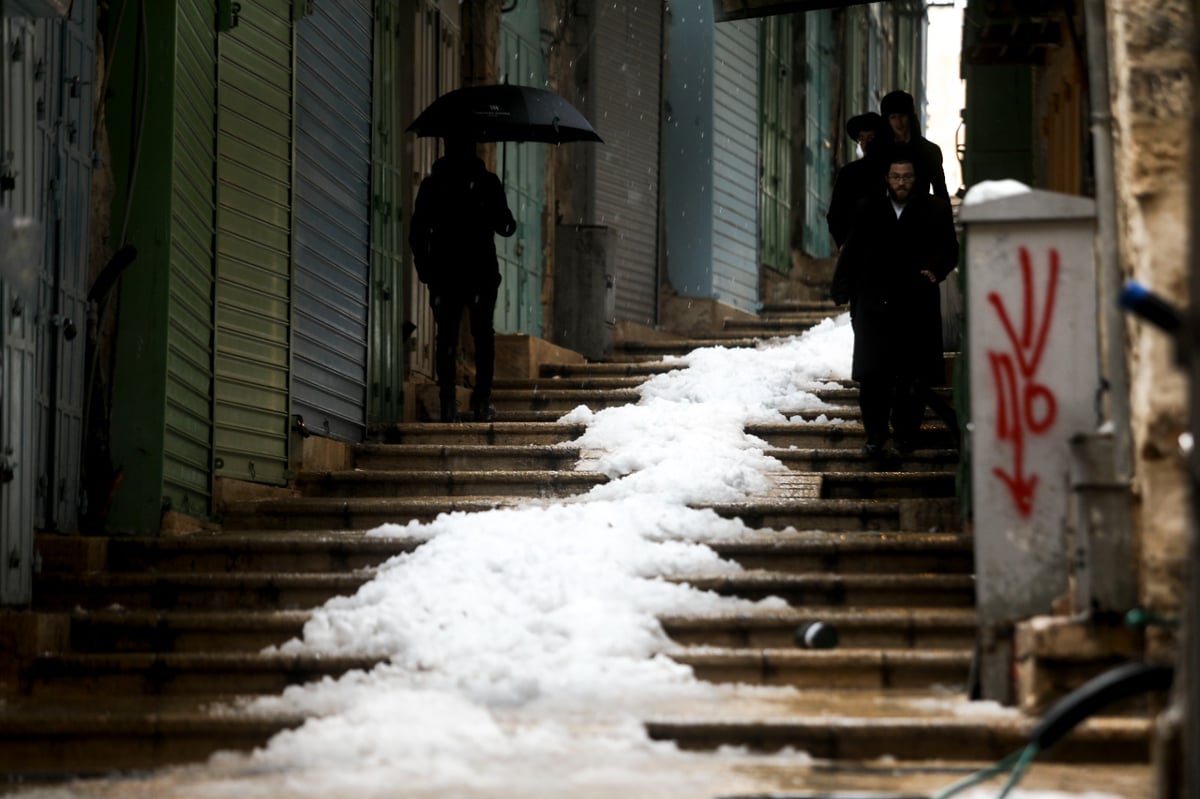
[332,207]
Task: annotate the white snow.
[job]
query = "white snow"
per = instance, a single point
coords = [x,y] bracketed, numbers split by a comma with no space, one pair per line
[522,648]
[988,190]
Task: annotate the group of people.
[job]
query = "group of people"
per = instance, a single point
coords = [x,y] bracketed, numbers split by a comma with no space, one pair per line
[891,220]
[889,215]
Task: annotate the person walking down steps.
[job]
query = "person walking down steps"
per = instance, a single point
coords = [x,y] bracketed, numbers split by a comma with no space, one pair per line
[902,244]
[460,208]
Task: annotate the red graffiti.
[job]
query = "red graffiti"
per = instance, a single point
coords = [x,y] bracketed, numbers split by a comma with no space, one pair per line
[1024,406]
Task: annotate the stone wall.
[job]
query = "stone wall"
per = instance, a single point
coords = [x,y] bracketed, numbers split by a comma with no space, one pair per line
[1150,65]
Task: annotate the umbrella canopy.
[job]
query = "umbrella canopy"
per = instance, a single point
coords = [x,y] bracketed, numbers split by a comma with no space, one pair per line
[504,113]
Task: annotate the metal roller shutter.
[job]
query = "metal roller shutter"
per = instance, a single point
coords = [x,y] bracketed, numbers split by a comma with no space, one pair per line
[332,207]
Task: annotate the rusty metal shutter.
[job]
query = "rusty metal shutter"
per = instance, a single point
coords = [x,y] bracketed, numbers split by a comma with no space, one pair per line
[624,108]
[332,207]
[254,224]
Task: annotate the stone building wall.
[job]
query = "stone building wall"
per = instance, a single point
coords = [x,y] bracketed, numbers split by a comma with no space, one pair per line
[1150,65]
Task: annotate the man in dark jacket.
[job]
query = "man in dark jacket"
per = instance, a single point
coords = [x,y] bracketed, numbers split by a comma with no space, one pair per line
[459,210]
[899,110]
[901,246]
[859,179]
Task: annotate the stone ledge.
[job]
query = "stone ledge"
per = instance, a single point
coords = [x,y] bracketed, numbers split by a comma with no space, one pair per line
[1057,654]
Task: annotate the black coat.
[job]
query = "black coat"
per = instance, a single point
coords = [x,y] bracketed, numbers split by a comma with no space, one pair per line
[460,208]
[855,182]
[896,311]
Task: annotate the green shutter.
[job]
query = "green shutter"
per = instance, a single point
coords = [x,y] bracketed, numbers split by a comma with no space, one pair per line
[187,441]
[385,400]
[775,103]
[818,166]
[163,146]
[523,167]
[254,172]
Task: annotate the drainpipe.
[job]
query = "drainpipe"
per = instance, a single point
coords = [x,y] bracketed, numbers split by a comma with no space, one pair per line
[1096,25]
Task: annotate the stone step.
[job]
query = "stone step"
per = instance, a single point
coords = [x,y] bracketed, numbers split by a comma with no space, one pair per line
[352,513]
[794,322]
[562,400]
[847,393]
[852,738]
[888,485]
[851,553]
[247,591]
[771,309]
[815,435]
[480,433]
[831,668]
[210,674]
[643,351]
[574,383]
[848,459]
[846,590]
[92,738]
[447,483]
[839,515]
[321,550]
[99,631]
[892,628]
[605,370]
[426,457]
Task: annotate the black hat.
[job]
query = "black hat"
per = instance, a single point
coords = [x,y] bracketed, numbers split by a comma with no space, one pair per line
[897,102]
[867,121]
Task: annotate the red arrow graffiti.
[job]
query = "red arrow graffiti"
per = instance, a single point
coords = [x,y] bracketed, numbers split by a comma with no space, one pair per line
[1024,406]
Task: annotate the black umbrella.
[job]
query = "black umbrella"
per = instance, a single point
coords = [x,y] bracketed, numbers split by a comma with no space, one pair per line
[504,112]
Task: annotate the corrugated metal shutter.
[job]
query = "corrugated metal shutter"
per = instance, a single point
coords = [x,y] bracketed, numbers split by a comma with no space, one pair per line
[22,164]
[523,170]
[818,112]
[254,170]
[776,127]
[624,108]
[71,70]
[735,163]
[332,224]
[386,348]
[187,441]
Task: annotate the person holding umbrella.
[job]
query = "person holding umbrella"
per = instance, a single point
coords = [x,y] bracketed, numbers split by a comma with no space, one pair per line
[460,207]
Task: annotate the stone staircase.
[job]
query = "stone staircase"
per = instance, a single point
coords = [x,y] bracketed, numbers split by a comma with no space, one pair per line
[153,635]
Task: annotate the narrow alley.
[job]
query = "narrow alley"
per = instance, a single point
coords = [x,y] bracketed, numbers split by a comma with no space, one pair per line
[599,595]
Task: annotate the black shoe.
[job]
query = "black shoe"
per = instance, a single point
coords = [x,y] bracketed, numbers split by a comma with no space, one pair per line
[906,446]
[449,411]
[872,450]
[483,409]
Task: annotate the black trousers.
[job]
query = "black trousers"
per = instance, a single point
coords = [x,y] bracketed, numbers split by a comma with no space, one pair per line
[897,399]
[447,303]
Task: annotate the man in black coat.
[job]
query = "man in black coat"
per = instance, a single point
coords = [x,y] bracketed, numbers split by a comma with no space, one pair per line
[858,179]
[460,208]
[899,110]
[901,246]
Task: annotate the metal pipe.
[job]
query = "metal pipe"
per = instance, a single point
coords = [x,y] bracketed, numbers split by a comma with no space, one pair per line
[1113,320]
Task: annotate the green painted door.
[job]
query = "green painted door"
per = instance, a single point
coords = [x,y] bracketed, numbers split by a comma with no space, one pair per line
[818,142]
[254,171]
[522,167]
[775,132]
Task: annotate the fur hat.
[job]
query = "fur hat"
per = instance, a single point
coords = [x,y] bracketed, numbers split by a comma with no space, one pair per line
[897,102]
[867,121]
